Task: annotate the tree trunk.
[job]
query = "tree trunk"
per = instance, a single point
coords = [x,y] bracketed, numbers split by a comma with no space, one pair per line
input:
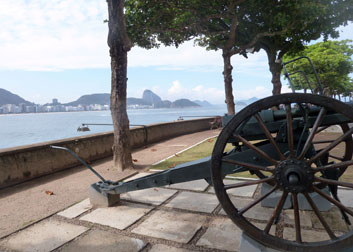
[275,69]
[228,81]
[119,44]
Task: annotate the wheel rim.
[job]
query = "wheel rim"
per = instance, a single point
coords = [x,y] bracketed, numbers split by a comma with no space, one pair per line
[294,173]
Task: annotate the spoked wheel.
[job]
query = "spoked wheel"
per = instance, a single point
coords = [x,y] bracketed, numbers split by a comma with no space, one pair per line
[295,172]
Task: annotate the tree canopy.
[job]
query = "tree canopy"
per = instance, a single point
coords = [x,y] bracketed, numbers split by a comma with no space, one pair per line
[234,26]
[316,19]
[228,25]
[333,63]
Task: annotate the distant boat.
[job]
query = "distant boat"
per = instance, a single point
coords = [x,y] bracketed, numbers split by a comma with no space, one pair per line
[83,128]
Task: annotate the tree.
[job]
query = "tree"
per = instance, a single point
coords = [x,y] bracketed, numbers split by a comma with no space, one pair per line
[333,63]
[316,18]
[214,23]
[119,44]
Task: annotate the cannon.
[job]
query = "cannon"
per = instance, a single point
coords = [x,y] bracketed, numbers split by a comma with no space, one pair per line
[278,140]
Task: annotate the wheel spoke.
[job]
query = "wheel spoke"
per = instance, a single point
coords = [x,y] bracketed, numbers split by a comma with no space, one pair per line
[334,166]
[335,202]
[246,208]
[248,165]
[322,128]
[331,146]
[296,217]
[290,130]
[276,212]
[310,138]
[256,149]
[322,141]
[337,158]
[269,136]
[248,183]
[321,218]
[334,182]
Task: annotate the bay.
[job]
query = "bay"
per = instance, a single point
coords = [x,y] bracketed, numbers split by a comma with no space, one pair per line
[24,129]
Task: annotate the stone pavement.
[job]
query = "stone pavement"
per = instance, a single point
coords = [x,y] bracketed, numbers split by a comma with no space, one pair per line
[178,218]
[29,202]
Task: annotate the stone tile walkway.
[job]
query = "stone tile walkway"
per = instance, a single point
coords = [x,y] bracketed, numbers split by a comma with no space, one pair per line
[176,218]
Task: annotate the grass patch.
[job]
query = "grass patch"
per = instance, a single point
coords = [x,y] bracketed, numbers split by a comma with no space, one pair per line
[201,150]
[205,149]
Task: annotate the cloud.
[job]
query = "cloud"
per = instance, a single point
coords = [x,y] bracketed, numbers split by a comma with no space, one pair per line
[70,34]
[198,92]
[177,89]
[258,91]
[52,35]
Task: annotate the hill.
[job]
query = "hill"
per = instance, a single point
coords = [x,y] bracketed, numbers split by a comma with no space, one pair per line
[102,99]
[7,97]
[151,97]
[136,101]
[203,103]
[246,102]
[183,103]
[148,99]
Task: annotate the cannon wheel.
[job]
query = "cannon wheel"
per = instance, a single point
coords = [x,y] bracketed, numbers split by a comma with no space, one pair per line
[294,174]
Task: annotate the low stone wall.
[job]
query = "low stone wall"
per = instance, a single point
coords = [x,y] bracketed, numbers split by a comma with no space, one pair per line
[27,162]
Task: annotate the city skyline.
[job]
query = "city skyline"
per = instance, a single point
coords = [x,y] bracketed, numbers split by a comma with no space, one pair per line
[58,49]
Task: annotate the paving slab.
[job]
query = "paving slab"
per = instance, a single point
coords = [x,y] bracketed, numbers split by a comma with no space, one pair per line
[307,235]
[119,217]
[98,240]
[196,185]
[346,197]
[249,245]
[257,212]
[262,226]
[171,225]
[245,191]
[321,203]
[333,219]
[222,234]
[76,210]
[198,202]
[273,198]
[154,196]
[164,248]
[42,237]
[305,218]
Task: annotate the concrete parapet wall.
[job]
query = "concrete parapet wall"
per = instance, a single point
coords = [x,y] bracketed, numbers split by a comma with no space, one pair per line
[23,163]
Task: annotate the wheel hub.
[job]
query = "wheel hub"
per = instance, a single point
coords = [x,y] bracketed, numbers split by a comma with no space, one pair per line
[294,176]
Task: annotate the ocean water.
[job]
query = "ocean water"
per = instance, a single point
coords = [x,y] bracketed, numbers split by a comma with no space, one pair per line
[23,129]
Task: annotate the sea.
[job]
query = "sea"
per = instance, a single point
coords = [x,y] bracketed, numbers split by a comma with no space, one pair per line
[23,129]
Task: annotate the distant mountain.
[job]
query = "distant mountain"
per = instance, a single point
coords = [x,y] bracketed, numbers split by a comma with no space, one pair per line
[151,97]
[203,103]
[148,99]
[102,99]
[253,99]
[7,97]
[136,101]
[183,103]
[241,103]
[166,104]
[246,102]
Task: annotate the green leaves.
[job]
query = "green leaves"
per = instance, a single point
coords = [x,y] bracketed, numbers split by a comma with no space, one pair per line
[333,62]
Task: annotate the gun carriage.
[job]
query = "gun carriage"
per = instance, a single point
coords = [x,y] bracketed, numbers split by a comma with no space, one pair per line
[277,139]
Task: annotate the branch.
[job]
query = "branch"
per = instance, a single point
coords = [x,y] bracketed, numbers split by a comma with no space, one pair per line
[254,41]
[233,27]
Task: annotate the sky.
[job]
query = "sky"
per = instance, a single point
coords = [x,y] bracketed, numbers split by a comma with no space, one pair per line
[58,49]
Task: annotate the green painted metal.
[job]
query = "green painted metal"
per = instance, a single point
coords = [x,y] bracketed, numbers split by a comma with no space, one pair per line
[200,169]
